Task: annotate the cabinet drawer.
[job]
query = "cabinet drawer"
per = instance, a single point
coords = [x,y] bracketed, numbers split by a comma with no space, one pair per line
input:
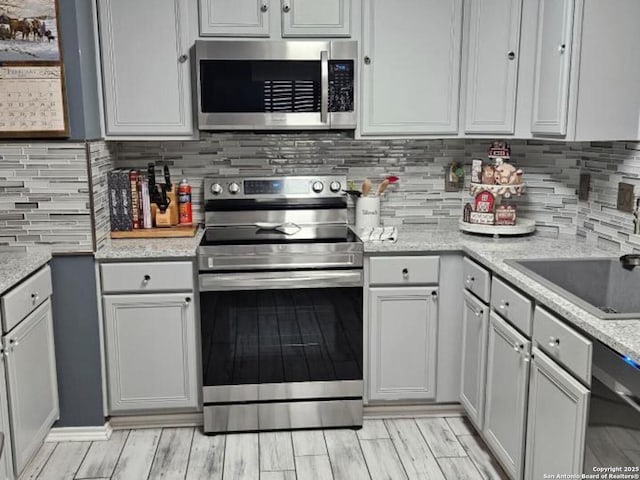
[403,270]
[563,344]
[24,298]
[476,279]
[512,305]
[146,277]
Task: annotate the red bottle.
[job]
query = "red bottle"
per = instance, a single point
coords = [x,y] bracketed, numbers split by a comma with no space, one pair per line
[184,199]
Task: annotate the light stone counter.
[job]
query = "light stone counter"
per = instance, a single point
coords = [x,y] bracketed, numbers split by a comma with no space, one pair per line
[16,264]
[621,335]
[155,248]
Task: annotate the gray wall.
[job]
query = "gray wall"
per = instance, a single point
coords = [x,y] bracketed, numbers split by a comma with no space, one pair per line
[77,341]
[81,76]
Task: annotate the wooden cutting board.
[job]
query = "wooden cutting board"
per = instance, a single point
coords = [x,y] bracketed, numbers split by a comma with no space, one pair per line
[169,232]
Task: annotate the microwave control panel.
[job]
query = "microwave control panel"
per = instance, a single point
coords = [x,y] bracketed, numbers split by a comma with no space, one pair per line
[341,86]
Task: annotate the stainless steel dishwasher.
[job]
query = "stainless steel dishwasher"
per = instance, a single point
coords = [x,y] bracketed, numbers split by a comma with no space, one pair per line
[613,431]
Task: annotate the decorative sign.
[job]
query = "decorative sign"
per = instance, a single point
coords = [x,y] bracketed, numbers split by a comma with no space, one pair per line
[32,94]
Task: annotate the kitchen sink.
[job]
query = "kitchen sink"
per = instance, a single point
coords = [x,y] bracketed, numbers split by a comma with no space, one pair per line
[602,286]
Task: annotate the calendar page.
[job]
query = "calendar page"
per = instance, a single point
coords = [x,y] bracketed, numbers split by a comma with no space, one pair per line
[31,101]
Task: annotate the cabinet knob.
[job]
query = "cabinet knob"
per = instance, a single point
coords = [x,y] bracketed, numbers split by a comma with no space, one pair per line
[478,313]
[187,301]
[367,60]
[286,8]
[183,58]
[503,305]
[434,295]
[405,273]
[469,280]
[511,55]
[554,342]
[146,279]
[13,342]
[562,48]
[35,296]
[264,7]
[517,346]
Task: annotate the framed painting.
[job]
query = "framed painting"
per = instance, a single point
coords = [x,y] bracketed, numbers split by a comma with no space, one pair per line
[32,92]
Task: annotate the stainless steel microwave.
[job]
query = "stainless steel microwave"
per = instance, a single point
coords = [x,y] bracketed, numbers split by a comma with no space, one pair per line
[264,85]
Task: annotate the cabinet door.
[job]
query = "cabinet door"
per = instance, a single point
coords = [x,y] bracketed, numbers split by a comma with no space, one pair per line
[146,68]
[475,319]
[411,71]
[32,383]
[234,18]
[151,352]
[6,461]
[403,343]
[492,69]
[553,64]
[557,420]
[506,397]
[316,18]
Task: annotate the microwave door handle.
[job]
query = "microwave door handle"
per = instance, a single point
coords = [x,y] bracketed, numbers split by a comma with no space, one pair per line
[324,86]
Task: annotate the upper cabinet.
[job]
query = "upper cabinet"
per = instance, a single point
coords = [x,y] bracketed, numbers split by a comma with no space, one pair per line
[493,53]
[552,67]
[235,18]
[252,18]
[411,67]
[146,73]
[316,18]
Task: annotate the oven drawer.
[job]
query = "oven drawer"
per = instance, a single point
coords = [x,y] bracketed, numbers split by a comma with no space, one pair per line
[563,344]
[512,305]
[476,279]
[403,270]
[24,298]
[146,277]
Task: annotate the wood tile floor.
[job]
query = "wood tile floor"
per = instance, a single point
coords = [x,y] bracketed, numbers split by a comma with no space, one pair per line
[433,448]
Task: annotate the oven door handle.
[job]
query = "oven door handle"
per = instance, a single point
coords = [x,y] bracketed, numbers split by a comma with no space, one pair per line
[218,282]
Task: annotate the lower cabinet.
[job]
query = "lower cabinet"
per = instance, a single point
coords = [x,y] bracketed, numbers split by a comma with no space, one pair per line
[151,352]
[558,408]
[32,383]
[506,394]
[403,340]
[475,318]
[6,460]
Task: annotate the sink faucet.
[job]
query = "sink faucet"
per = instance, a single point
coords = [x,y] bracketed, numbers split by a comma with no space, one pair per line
[630,261]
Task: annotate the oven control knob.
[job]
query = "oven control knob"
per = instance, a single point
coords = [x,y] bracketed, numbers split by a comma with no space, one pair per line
[216,189]
[317,187]
[234,188]
[335,186]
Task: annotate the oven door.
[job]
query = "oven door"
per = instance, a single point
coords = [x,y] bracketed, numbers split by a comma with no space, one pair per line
[277,336]
[275,85]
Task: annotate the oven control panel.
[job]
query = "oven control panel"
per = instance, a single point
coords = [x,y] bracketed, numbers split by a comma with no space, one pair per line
[274,187]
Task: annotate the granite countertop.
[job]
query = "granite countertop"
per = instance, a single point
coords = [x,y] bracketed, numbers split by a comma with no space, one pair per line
[16,264]
[122,249]
[621,335]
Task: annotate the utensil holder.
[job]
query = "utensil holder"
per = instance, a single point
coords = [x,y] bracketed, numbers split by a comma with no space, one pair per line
[367,212]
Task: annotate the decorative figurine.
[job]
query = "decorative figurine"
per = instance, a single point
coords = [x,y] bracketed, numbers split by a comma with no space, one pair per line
[499,150]
[482,218]
[488,174]
[476,170]
[454,178]
[484,202]
[466,213]
[505,215]
[507,174]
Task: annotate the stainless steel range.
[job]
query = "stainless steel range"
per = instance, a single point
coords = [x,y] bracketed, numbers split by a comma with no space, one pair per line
[281,305]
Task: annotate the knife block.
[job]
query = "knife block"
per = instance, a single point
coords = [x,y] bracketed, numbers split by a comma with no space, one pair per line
[174,211]
[163,219]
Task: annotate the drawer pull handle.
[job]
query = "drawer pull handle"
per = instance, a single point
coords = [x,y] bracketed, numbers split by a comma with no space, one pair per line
[146,279]
[554,342]
[35,297]
[470,279]
[405,273]
[503,305]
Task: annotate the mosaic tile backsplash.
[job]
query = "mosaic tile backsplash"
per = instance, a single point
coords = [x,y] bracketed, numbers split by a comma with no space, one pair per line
[44,186]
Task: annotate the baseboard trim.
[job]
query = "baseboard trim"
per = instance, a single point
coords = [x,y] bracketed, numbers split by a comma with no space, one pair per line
[126,422]
[412,411]
[80,434]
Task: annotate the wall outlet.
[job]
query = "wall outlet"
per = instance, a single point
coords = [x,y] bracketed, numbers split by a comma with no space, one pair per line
[625,197]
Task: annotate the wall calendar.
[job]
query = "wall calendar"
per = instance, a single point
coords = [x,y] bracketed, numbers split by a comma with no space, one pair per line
[32,91]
